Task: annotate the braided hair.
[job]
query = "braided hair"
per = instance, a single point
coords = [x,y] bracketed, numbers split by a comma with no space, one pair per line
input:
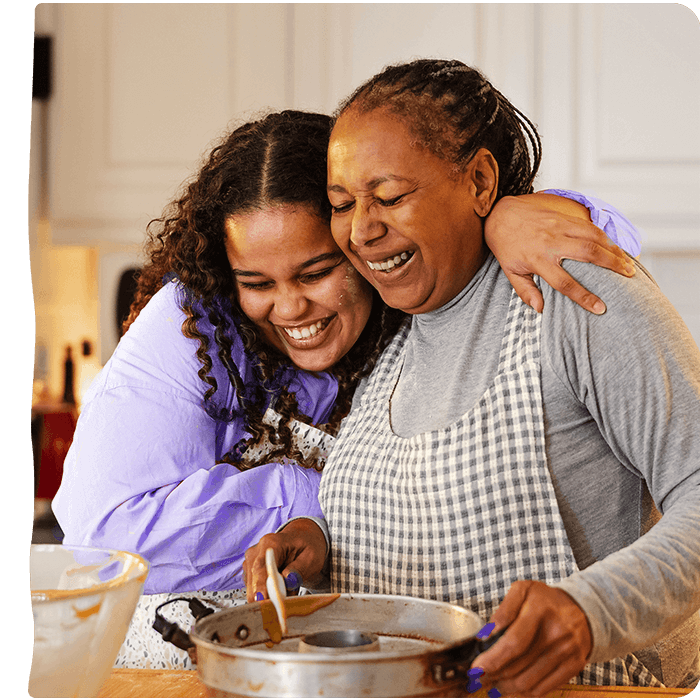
[453,111]
[279,159]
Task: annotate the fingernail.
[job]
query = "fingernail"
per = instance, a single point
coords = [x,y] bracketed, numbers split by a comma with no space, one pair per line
[475,672]
[599,308]
[629,269]
[493,693]
[485,631]
[473,686]
[259,596]
[292,581]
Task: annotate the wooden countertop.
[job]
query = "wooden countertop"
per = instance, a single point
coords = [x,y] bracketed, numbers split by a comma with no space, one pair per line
[147,683]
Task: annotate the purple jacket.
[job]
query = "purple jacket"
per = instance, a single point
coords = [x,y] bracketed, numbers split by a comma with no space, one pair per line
[141,474]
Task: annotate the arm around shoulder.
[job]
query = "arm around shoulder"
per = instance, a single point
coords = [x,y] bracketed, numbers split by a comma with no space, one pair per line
[533,234]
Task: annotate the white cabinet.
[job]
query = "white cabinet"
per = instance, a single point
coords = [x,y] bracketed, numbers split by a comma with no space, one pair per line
[142,89]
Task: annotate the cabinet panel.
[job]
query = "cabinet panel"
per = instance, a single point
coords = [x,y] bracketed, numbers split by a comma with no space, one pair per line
[651,82]
[638,112]
[166,90]
[386,33]
[141,91]
[607,129]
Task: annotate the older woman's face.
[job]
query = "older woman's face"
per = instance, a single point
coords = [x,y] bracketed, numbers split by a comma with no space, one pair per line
[295,284]
[402,215]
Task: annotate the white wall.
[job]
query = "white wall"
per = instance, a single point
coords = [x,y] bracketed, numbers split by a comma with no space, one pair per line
[143,88]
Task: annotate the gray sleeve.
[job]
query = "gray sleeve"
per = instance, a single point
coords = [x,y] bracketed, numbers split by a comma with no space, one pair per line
[643,592]
[637,369]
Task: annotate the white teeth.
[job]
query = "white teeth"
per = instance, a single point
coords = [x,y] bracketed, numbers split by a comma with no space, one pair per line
[307,331]
[389,263]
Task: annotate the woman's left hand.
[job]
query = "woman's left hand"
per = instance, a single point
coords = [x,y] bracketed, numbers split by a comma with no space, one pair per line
[548,641]
[532,234]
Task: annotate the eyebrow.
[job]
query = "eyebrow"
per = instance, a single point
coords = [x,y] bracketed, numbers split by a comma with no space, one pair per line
[372,184]
[312,261]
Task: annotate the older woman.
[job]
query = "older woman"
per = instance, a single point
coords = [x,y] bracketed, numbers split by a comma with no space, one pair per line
[509,461]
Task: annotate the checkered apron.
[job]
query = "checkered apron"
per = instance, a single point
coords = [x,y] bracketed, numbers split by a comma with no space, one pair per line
[460,513]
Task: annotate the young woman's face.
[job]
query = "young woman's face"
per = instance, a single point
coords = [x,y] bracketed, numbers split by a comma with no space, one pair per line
[402,215]
[296,285]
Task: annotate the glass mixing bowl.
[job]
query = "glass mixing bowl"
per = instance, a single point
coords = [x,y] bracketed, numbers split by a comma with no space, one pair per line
[83,599]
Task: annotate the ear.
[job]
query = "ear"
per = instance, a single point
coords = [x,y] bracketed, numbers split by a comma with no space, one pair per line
[483,174]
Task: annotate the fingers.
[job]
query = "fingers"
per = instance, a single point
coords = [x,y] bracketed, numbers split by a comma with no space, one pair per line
[509,609]
[300,553]
[548,267]
[547,641]
[536,673]
[558,278]
[527,290]
[532,234]
[587,243]
[604,253]
[254,567]
[292,581]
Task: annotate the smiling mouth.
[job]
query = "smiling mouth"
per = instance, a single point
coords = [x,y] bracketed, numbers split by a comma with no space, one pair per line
[306,332]
[390,263]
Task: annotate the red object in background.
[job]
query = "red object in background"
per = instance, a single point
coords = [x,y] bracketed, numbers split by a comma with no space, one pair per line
[56,428]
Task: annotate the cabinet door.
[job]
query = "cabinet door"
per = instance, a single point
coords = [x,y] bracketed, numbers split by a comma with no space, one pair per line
[141,90]
[620,111]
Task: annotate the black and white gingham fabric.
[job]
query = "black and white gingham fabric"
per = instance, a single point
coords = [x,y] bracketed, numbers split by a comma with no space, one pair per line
[455,514]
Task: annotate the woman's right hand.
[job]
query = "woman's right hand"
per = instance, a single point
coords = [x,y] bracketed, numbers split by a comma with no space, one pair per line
[300,548]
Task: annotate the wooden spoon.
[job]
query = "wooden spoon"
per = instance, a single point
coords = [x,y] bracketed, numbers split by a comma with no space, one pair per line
[276,588]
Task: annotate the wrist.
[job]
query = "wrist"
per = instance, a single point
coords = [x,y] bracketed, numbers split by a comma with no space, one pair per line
[308,524]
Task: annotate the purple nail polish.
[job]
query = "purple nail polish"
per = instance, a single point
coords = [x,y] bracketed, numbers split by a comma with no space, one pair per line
[259,596]
[473,686]
[475,672]
[493,693]
[485,631]
[292,581]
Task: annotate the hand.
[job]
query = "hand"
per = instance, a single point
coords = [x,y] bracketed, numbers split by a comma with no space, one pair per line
[532,234]
[548,641]
[300,548]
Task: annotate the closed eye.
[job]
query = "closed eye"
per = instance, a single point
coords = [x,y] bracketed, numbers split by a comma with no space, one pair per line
[311,277]
[305,278]
[341,208]
[255,285]
[390,202]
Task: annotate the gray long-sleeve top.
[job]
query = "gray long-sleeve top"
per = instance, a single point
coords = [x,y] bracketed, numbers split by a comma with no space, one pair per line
[621,396]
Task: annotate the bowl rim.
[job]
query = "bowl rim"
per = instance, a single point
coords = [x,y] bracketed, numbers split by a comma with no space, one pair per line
[136,569]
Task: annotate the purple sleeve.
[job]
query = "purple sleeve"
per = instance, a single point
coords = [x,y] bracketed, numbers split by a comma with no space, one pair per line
[606,217]
[141,473]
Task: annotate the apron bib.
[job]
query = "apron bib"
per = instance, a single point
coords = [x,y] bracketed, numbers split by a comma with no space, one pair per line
[460,513]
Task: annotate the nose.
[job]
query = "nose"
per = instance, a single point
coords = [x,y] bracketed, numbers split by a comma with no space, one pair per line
[290,303]
[366,226]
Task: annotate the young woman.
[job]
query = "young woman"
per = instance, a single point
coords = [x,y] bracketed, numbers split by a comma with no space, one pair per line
[212,420]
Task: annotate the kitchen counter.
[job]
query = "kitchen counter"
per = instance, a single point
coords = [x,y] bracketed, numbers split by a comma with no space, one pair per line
[148,683]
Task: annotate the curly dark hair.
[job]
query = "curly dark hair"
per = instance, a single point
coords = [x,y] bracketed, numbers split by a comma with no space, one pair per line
[279,159]
[453,111]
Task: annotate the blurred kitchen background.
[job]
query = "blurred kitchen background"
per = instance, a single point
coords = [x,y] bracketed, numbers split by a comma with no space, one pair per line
[127,98]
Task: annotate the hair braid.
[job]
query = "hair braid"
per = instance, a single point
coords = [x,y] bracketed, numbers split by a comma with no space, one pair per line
[453,111]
